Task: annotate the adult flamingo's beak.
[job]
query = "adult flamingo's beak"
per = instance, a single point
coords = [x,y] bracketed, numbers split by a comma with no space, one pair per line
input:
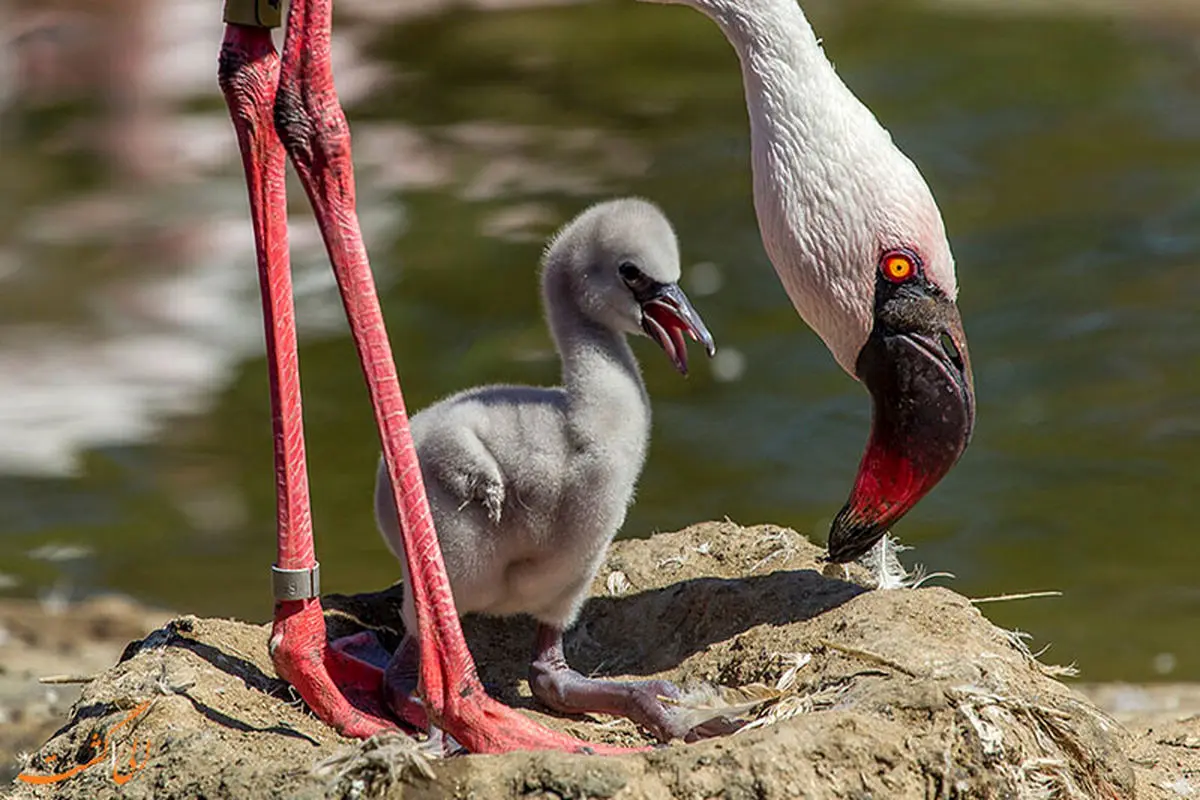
[916,366]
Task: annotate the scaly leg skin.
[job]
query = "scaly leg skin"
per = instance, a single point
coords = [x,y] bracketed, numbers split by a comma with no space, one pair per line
[310,122]
[249,73]
[563,689]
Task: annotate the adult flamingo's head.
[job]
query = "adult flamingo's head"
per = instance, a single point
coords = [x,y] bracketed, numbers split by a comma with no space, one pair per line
[858,242]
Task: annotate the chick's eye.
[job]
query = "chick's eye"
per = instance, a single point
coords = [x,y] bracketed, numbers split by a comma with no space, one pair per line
[629,273]
[898,265]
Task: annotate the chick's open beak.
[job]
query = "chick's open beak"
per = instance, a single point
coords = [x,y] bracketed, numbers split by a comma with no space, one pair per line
[923,413]
[667,315]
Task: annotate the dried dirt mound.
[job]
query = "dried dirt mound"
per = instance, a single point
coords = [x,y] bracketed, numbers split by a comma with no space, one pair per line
[885,694]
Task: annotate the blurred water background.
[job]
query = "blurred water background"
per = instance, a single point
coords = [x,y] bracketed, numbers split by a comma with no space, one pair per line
[1062,140]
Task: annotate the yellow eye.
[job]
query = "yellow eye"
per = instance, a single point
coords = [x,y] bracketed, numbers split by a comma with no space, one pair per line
[898,265]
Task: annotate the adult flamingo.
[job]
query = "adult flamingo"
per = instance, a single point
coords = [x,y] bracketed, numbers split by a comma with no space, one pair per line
[285,106]
[858,242]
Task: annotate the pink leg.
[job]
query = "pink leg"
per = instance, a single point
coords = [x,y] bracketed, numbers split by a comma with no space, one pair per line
[249,73]
[310,122]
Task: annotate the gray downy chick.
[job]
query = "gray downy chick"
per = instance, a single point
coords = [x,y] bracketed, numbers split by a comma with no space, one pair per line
[529,485]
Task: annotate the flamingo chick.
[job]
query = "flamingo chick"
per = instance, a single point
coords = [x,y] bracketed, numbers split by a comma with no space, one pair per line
[856,238]
[528,485]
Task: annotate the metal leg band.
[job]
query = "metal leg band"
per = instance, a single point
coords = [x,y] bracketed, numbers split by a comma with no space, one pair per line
[296,584]
[254,13]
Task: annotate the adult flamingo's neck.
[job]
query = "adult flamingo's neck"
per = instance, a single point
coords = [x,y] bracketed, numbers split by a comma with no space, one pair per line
[816,149]
[762,26]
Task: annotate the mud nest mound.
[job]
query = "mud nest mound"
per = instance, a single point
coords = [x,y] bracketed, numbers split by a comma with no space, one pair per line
[884,694]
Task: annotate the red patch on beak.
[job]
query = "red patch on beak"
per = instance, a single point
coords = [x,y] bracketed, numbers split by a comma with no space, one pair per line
[887,486]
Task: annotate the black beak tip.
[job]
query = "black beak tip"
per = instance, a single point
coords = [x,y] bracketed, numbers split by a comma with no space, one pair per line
[845,553]
[850,540]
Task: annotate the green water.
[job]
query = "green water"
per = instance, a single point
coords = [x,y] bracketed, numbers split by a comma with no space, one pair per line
[1064,152]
